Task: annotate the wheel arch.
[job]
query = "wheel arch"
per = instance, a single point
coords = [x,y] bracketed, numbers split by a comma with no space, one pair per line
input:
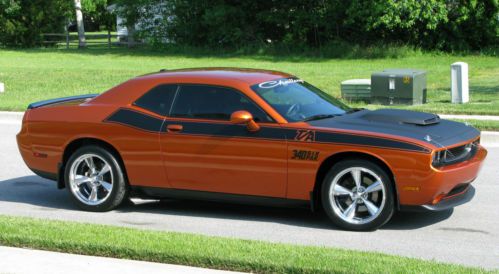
[328,163]
[77,143]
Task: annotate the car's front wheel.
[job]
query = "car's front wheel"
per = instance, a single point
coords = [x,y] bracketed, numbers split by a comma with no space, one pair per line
[95,179]
[358,195]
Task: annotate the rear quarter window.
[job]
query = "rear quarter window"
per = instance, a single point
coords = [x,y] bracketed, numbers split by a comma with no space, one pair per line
[158,100]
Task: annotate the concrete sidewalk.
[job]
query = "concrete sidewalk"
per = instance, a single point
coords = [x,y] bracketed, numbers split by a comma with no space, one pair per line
[19,260]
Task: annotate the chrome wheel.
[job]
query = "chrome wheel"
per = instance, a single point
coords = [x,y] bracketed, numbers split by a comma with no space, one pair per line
[91,179]
[357,195]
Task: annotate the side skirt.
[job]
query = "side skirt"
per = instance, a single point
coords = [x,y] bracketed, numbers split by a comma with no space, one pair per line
[171,193]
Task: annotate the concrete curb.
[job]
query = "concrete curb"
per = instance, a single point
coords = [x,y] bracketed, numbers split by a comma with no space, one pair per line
[10,118]
[470,117]
[19,260]
[488,137]
[4,115]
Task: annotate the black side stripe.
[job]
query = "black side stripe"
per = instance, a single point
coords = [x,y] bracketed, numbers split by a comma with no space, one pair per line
[142,121]
[135,119]
[227,130]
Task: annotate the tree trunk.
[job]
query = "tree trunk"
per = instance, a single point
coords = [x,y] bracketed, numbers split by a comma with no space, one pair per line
[79,23]
[131,35]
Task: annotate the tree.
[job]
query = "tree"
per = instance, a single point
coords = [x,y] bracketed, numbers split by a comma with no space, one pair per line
[96,15]
[22,22]
[80,25]
[296,24]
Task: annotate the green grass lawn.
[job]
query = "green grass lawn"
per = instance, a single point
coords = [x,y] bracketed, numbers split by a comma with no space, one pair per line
[37,74]
[205,251]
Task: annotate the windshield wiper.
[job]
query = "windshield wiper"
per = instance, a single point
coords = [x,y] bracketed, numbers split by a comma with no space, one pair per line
[319,117]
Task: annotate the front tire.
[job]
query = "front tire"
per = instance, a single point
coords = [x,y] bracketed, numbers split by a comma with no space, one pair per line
[358,195]
[95,179]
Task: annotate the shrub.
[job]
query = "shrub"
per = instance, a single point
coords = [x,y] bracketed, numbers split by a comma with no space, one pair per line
[429,24]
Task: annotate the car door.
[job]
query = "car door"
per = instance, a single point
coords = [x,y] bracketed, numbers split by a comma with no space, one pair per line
[204,151]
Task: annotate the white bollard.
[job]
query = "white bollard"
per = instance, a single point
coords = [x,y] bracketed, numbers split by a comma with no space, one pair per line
[2,87]
[459,83]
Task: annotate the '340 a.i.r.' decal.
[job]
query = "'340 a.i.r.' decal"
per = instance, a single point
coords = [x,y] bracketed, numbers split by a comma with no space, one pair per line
[305,155]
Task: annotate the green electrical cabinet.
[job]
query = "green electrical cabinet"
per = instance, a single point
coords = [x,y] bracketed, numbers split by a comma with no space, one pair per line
[399,86]
[356,90]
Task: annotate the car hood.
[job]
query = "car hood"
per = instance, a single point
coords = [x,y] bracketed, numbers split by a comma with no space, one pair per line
[420,126]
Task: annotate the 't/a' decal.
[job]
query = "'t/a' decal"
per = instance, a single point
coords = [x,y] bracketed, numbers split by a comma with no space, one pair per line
[305,135]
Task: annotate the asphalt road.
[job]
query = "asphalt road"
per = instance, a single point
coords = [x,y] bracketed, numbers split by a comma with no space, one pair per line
[468,235]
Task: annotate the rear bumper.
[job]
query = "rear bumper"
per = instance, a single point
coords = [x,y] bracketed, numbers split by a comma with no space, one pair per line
[446,203]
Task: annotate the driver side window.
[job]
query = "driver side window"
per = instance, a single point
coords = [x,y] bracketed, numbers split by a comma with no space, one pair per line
[212,102]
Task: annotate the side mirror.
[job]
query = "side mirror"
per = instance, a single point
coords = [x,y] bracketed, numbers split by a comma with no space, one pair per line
[244,117]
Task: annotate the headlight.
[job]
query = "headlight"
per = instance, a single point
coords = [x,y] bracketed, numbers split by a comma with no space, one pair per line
[455,155]
[438,157]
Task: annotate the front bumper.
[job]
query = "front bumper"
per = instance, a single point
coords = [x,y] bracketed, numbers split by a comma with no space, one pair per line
[431,186]
[447,202]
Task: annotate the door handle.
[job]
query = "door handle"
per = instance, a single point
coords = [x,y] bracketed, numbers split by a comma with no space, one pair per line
[174,128]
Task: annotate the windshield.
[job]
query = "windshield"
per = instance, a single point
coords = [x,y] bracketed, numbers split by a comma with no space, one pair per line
[297,100]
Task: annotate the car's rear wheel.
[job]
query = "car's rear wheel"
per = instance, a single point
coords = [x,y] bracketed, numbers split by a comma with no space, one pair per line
[358,195]
[95,179]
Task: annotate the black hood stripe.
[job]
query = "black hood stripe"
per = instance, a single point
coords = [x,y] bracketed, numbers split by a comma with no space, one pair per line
[146,122]
[327,137]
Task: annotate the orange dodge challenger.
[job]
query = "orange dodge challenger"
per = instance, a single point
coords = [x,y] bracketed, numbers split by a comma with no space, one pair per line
[252,136]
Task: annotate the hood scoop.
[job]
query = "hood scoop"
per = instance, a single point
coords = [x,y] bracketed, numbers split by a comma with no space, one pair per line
[402,117]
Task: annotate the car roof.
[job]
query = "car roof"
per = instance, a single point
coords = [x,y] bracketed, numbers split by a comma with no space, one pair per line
[246,75]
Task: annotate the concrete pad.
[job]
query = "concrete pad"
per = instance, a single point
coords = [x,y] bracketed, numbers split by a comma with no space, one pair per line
[18,260]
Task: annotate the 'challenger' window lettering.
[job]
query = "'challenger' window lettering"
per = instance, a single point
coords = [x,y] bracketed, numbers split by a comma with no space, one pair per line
[281,82]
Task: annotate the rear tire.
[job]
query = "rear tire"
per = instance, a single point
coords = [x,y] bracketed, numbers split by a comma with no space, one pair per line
[95,179]
[358,195]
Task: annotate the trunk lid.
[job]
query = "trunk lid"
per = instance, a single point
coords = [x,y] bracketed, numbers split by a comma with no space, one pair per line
[71,100]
